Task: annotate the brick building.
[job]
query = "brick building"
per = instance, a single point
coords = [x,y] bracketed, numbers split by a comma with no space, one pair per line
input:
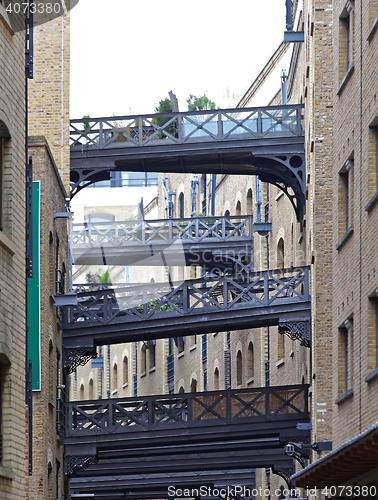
[12,259]
[48,112]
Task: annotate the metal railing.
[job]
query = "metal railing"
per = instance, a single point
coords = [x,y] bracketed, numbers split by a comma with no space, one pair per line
[129,303]
[269,404]
[166,231]
[213,125]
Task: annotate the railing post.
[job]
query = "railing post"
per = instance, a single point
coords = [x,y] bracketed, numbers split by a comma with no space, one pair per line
[228,407]
[110,415]
[189,409]
[140,131]
[259,123]
[266,287]
[220,127]
[101,135]
[180,126]
[225,292]
[116,233]
[150,414]
[170,231]
[267,402]
[185,298]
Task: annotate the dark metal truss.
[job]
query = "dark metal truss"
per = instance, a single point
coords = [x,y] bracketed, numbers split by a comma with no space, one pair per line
[209,241]
[265,141]
[229,429]
[140,312]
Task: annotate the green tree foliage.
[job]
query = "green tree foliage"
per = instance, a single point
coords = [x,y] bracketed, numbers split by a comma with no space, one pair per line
[99,277]
[165,106]
[201,103]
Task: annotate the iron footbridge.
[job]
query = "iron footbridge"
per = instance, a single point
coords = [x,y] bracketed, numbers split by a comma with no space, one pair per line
[221,242]
[154,441]
[264,141]
[111,315]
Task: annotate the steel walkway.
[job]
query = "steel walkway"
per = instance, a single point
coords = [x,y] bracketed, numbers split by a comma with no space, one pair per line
[210,242]
[268,142]
[153,440]
[130,313]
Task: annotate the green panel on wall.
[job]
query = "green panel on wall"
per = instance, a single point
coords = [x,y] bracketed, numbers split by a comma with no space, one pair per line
[34,301]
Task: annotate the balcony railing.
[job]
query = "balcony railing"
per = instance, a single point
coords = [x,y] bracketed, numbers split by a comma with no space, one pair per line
[192,410]
[180,128]
[166,231]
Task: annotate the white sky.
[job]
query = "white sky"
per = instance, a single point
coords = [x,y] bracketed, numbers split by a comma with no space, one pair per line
[126,55]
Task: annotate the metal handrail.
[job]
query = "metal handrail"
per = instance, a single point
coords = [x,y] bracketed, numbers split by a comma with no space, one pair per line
[191,126]
[148,413]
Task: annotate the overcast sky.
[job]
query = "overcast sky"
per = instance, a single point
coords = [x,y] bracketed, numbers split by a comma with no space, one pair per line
[126,55]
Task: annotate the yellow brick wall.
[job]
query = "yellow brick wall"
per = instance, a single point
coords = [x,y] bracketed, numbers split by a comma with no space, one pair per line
[12,263]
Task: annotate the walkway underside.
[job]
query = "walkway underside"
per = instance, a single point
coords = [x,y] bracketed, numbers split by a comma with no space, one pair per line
[221,242]
[204,305]
[150,440]
[265,141]
[148,486]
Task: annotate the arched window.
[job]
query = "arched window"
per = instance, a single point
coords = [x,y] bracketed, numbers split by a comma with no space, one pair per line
[181,390]
[193,385]
[180,344]
[249,202]
[227,213]
[115,377]
[251,360]
[91,389]
[125,375]
[82,392]
[238,208]
[143,359]
[239,368]
[181,206]
[281,254]
[216,379]
[151,354]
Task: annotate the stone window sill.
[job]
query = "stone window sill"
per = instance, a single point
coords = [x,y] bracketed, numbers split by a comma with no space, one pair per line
[7,473]
[114,392]
[372,30]
[7,243]
[4,17]
[180,355]
[372,202]
[250,381]
[143,374]
[346,395]
[346,237]
[193,347]
[151,370]
[280,362]
[125,385]
[372,375]
[345,80]
[278,196]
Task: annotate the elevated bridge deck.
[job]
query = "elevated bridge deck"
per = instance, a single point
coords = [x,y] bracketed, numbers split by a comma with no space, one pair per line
[266,141]
[149,438]
[151,311]
[207,241]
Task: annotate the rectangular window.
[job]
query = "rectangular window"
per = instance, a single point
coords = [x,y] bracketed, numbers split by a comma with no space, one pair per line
[1,183]
[373,160]
[346,40]
[345,198]
[372,334]
[345,356]
[373,12]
